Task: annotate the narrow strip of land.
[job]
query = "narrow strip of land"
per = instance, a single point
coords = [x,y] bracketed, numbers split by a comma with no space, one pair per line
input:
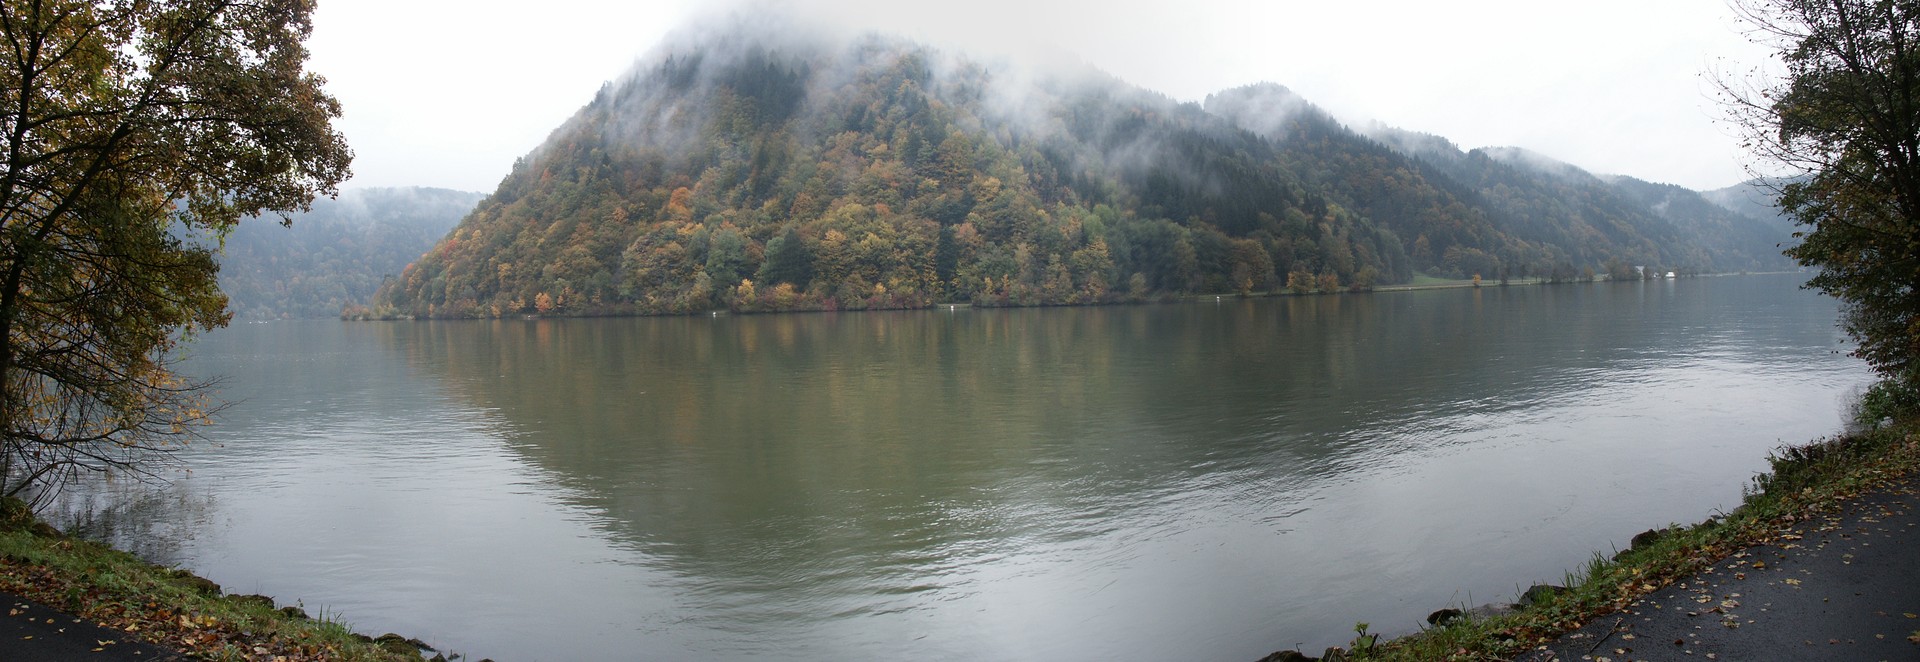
[1841,585]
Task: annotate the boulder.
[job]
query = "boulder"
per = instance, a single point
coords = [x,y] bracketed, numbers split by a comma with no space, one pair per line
[394,643]
[1444,616]
[261,600]
[1539,593]
[1643,540]
[196,583]
[1492,610]
[1647,538]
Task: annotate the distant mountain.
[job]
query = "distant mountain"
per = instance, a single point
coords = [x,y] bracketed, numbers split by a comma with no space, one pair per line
[336,254]
[1733,240]
[1755,198]
[1502,209]
[760,170]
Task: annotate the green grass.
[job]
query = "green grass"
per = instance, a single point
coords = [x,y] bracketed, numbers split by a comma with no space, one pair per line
[1803,480]
[1423,280]
[165,606]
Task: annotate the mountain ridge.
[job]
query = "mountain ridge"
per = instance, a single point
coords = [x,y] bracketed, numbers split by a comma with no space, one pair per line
[336,254]
[798,174]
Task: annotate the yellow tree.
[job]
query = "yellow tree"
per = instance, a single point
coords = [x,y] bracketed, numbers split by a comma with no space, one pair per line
[126,125]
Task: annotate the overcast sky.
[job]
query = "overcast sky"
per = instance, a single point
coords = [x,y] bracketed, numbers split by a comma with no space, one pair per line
[449,92]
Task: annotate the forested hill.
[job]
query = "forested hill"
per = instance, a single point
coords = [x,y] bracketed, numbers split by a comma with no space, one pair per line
[762,172]
[337,254]
[1755,198]
[1504,210]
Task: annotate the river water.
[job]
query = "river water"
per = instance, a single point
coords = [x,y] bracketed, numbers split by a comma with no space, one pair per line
[1206,480]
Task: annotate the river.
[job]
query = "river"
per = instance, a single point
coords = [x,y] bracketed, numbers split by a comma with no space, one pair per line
[1203,480]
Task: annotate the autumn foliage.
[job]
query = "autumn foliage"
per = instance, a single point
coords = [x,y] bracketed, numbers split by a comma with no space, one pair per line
[881,174]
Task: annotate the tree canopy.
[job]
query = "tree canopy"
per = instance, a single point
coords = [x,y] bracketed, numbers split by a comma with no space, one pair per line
[1845,121]
[755,173]
[124,121]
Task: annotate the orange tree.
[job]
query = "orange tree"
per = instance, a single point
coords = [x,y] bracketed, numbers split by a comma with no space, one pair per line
[128,128]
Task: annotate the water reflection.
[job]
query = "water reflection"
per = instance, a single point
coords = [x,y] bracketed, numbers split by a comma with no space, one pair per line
[1196,480]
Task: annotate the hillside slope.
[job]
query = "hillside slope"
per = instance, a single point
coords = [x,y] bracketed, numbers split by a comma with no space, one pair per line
[770,172]
[1551,217]
[337,254]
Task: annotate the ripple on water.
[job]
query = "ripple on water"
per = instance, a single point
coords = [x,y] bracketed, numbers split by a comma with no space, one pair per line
[1157,482]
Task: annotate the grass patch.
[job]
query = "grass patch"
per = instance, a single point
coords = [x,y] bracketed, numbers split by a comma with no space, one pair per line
[1803,480]
[165,606]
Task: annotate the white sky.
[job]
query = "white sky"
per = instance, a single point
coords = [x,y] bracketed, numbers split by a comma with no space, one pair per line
[449,92]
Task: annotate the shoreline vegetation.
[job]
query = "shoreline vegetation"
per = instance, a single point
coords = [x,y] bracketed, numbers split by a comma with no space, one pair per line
[1420,283]
[172,607]
[1803,480]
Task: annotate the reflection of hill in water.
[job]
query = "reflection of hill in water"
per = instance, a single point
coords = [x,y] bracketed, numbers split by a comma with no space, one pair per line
[831,452]
[1160,482]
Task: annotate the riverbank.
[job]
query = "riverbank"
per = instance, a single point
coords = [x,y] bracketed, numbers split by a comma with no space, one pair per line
[1835,586]
[1804,481]
[167,607]
[359,313]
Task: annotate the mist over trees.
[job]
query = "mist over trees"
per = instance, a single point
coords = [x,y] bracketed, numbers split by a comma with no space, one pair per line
[335,256]
[1756,198]
[751,169]
[1503,210]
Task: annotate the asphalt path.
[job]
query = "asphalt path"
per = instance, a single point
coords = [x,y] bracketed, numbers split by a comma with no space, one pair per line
[32,632]
[1840,586]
